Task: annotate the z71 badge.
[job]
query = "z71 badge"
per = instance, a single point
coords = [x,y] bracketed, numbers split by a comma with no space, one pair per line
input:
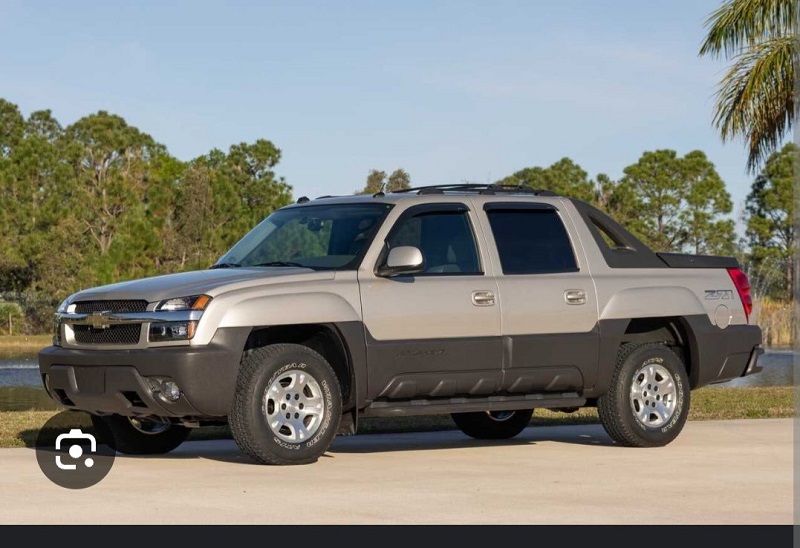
[719,294]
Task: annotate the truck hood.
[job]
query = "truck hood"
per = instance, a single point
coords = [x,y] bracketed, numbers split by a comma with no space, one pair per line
[209,282]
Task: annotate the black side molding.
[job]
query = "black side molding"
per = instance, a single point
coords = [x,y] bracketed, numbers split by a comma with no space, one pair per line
[680,260]
[472,404]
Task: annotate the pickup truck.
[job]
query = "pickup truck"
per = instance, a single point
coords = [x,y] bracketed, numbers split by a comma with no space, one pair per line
[481,301]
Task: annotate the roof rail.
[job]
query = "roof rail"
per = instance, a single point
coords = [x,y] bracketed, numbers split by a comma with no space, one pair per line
[478,188]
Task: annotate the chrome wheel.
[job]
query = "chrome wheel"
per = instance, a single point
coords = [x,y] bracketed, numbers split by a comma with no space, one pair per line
[294,406]
[147,426]
[500,416]
[653,395]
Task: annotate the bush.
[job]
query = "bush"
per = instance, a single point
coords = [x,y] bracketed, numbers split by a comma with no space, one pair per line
[11,318]
[30,314]
[775,319]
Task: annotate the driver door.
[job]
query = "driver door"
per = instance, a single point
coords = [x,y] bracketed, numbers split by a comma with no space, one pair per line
[435,333]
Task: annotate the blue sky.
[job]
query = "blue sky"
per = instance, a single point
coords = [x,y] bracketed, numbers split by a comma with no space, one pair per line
[448,90]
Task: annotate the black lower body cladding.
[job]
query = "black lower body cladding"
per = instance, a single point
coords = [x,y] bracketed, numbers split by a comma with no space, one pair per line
[114,381]
[722,354]
[712,354]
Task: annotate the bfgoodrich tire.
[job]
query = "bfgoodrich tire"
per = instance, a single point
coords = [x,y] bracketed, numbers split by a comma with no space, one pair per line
[493,425]
[134,436]
[648,401]
[287,405]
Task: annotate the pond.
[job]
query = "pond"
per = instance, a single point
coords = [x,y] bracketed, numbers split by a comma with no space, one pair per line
[21,385]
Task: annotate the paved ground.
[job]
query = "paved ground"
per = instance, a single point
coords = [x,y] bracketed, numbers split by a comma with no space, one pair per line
[715,472]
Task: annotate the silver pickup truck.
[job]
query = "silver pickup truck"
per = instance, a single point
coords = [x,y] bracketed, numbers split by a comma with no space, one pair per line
[481,301]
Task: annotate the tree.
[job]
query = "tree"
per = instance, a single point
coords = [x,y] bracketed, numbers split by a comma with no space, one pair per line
[770,231]
[245,188]
[703,229]
[564,177]
[110,160]
[622,202]
[101,201]
[678,202]
[755,98]
[32,203]
[398,180]
[12,125]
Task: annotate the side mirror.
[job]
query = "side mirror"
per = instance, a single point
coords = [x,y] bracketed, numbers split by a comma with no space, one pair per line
[405,259]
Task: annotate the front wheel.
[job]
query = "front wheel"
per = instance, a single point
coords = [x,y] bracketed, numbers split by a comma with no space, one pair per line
[139,436]
[287,405]
[493,425]
[648,401]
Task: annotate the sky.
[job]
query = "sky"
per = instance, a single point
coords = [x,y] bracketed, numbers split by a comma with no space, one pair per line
[450,91]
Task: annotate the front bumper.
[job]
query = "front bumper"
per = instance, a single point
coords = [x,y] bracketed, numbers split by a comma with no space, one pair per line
[115,381]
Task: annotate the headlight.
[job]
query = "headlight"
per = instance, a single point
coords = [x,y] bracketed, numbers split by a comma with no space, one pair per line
[178,330]
[172,331]
[196,302]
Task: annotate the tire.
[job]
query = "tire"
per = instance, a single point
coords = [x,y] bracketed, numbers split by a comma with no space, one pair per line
[267,376]
[133,436]
[628,411]
[493,425]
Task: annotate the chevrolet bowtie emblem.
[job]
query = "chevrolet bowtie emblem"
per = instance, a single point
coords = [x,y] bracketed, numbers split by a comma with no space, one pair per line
[98,320]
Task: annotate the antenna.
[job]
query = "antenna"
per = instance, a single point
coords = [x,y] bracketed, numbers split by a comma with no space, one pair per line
[380,192]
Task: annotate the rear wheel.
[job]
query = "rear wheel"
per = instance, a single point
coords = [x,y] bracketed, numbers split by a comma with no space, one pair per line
[493,425]
[139,436]
[648,401]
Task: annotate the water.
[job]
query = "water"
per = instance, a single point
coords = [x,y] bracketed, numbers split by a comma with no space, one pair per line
[20,371]
[21,385]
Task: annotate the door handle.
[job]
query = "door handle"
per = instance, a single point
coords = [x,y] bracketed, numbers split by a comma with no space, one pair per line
[483,298]
[575,296]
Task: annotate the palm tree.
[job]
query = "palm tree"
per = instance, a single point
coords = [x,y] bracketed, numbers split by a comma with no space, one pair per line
[755,98]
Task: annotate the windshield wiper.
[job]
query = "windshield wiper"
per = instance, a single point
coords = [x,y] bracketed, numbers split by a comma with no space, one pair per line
[282,263]
[225,265]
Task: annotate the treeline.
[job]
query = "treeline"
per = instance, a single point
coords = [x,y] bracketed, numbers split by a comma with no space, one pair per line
[100,201]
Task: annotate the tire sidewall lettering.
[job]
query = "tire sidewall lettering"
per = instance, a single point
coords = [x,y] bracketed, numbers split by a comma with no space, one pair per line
[679,402]
[327,414]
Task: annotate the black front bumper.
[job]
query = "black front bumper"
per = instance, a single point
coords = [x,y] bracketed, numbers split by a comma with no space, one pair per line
[115,381]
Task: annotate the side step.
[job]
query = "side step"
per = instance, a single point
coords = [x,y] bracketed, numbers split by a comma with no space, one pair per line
[406,408]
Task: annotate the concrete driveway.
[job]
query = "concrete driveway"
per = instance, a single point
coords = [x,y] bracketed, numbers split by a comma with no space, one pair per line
[715,472]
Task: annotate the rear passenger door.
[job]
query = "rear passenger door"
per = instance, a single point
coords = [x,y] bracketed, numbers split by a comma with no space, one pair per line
[435,333]
[547,299]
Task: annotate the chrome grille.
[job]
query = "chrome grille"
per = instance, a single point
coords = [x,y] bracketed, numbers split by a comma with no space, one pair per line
[127,334]
[87,307]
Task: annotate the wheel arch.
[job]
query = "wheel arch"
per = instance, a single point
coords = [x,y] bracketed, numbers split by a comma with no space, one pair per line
[338,343]
[673,331]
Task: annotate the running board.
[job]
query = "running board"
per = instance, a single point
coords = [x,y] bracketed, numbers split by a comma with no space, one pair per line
[407,408]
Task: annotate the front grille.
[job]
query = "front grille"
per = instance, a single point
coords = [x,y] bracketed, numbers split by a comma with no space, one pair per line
[127,334]
[87,307]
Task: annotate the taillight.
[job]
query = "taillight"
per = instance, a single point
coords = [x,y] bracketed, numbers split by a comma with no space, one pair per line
[743,287]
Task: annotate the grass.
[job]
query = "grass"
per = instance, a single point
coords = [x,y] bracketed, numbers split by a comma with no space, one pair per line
[20,428]
[23,344]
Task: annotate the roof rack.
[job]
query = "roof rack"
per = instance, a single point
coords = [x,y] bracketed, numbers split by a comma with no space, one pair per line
[478,188]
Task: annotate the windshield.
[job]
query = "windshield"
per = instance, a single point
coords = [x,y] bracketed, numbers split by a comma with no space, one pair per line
[322,237]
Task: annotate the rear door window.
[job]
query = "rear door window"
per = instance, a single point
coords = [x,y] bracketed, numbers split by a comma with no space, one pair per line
[532,241]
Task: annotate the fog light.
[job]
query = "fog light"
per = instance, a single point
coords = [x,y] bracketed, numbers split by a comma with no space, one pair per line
[165,388]
[169,391]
